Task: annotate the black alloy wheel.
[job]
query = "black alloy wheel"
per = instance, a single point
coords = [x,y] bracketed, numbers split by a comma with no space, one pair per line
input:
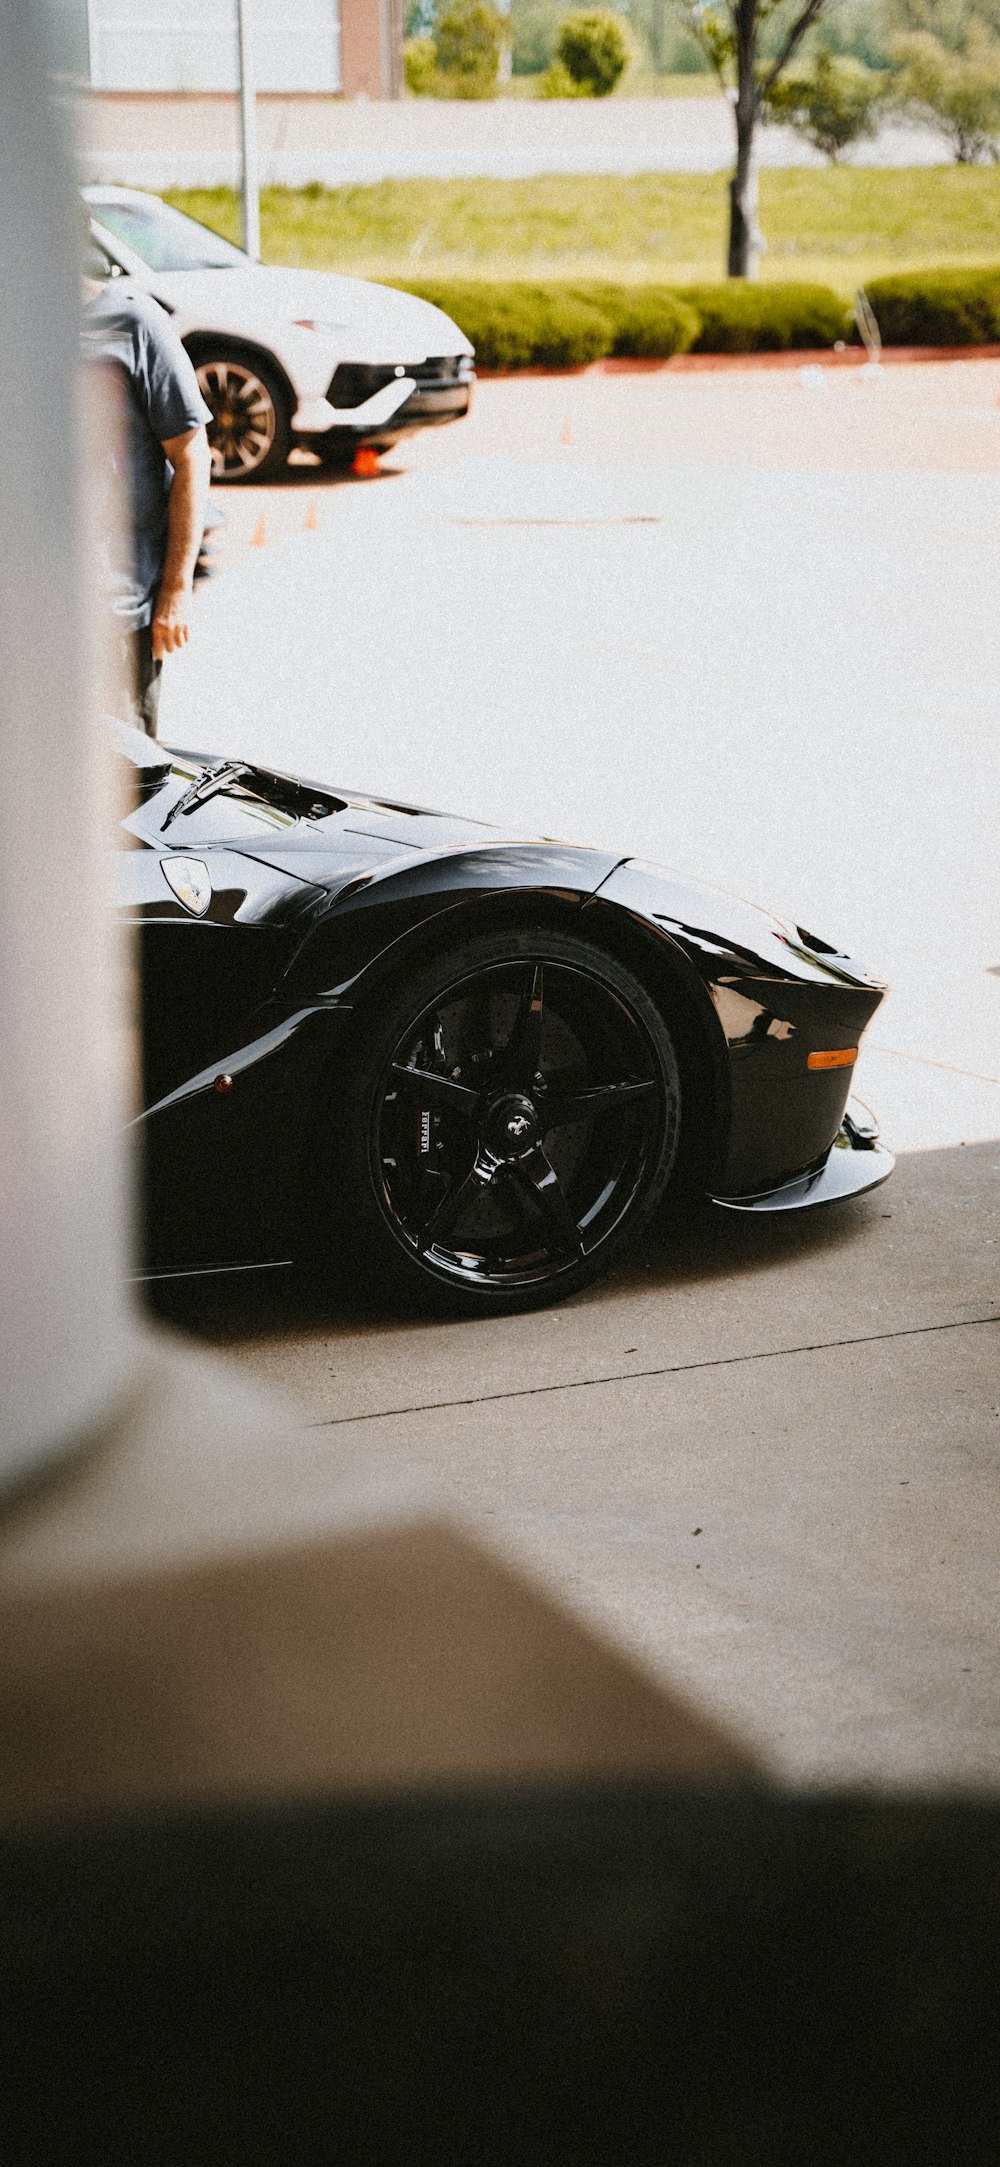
[249,434]
[515,1121]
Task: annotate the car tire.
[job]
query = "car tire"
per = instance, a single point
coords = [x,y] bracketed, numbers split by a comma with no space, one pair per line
[250,433]
[508,1121]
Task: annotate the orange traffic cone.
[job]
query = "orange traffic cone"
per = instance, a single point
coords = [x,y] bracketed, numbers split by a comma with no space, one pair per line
[259,535]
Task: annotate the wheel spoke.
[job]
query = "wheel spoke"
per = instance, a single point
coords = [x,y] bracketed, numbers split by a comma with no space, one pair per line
[524,1050]
[445,1216]
[476,1025]
[440,1090]
[536,1177]
[559,1108]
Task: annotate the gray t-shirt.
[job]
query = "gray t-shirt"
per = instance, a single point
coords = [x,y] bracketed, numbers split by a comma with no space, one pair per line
[127,331]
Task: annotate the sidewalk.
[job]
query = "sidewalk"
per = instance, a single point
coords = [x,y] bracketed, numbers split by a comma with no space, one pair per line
[156,142]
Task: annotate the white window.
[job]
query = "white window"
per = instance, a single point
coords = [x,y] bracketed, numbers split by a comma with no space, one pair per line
[192,44]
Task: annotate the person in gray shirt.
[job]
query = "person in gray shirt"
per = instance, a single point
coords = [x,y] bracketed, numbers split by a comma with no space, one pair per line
[160,463]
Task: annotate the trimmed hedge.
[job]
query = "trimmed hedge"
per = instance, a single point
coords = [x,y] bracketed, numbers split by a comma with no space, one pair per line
[646,322]
[518,324]
[938,308]
[738,316]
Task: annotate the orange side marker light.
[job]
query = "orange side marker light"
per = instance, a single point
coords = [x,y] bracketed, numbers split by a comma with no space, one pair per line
[365,462]
[839,1057]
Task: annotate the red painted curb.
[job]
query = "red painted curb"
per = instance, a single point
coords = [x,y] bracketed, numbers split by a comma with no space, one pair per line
[824,357]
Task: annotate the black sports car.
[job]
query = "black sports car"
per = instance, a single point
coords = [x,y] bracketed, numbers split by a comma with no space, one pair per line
[471,1065]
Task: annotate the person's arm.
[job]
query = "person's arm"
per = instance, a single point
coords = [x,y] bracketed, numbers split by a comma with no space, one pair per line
[189,456]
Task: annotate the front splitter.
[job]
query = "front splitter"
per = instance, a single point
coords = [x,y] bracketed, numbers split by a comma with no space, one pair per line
[848,1170]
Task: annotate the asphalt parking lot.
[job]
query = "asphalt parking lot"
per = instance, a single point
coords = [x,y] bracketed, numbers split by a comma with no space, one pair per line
[744,624]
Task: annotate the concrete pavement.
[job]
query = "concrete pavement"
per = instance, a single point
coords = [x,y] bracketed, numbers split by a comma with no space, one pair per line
[766,1456]
[193,142]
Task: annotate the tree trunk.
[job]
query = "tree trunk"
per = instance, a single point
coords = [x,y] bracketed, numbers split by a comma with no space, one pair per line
[744,230]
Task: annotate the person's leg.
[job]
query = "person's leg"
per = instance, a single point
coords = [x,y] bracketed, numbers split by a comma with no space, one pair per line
[147,681]
[140,679]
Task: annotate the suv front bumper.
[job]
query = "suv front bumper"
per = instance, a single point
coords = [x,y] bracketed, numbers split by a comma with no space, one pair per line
[359,397]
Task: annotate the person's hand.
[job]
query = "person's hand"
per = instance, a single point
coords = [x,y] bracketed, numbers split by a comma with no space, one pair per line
[171,626]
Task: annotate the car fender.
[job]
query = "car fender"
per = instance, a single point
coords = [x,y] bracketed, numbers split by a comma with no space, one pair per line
[202,343]
[250,1116]
[373,923]
[772,998]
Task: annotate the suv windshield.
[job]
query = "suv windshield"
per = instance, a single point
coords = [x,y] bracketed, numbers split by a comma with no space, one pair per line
[165,239]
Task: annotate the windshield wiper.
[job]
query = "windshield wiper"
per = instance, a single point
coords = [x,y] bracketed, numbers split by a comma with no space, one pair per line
[214,779]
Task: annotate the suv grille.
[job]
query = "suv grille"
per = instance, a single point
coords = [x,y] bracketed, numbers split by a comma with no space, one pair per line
[353,382]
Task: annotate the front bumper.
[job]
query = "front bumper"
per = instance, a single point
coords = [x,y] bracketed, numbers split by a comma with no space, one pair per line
[360,397]
[856,1161]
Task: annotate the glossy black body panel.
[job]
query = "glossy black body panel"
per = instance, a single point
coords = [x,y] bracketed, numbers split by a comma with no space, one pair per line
[322,899]
[773,1003]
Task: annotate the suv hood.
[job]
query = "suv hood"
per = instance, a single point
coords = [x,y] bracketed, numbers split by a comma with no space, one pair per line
[270,297]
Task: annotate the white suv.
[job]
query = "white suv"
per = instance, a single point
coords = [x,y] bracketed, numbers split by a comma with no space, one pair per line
[284,356]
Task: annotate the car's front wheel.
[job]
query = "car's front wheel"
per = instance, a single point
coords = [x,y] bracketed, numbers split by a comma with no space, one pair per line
[250,433]
[510,1120]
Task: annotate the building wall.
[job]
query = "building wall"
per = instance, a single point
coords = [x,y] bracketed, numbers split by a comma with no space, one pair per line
[191,45]
[372,47]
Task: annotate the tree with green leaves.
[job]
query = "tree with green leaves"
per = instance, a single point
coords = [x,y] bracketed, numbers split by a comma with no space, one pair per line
[591,47]
[832,104]
[956,90]
[950,21]
[732,33]
[467,36]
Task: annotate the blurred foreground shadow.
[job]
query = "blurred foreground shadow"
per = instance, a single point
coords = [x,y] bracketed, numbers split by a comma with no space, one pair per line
[592,1978]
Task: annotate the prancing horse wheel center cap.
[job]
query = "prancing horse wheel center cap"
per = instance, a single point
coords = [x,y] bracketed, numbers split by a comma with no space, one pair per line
[511,1127]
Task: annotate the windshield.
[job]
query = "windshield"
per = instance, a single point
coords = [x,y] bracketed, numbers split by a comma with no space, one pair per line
[165,239]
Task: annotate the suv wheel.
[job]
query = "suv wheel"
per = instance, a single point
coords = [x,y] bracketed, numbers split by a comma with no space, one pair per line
[250,431]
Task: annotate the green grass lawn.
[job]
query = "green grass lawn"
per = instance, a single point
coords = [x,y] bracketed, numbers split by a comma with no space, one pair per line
[842,225]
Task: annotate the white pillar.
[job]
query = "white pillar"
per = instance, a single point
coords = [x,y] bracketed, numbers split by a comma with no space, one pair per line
[65,1328]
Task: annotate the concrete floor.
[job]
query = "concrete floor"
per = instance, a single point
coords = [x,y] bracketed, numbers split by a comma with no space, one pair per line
[765,1456]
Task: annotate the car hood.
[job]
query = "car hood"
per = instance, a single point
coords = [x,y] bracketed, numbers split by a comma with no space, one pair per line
[361,834]
[366,836]
[266,297]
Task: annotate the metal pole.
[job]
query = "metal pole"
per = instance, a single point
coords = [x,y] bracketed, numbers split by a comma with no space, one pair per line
[248,132]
